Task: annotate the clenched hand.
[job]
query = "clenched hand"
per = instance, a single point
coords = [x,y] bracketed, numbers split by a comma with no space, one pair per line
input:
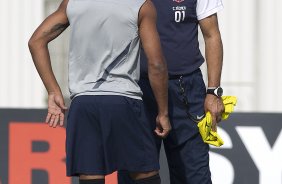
[215,106]
[163,126]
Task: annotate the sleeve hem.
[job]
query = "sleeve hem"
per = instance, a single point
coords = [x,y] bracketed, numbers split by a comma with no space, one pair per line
[210,12]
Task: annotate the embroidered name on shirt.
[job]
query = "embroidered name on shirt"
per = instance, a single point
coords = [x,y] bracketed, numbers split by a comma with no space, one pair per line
[179,13]
[175,8]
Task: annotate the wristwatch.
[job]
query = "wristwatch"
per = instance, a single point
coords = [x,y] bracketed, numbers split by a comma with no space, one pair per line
[217,91]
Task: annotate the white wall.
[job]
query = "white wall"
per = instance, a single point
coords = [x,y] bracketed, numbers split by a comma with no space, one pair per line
[20,86]
[251,32]
[237,24]
[269,49]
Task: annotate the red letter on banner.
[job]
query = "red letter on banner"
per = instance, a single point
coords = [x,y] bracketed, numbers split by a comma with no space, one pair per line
[22,160]
[112,178]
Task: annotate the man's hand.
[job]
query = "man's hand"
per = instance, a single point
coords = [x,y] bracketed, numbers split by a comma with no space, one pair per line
[56,110]
[163,126]
[215,106]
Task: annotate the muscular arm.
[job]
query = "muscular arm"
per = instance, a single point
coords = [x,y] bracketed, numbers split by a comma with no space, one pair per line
[214,58]
[50,29]
[213,48]
[157,69]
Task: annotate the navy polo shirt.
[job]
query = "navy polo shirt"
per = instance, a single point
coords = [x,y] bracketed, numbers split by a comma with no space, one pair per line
[177,24]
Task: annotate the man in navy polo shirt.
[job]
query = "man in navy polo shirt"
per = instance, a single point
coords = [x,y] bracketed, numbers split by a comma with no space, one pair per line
[178,21]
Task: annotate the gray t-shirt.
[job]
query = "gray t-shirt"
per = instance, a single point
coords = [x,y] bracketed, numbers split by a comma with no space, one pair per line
[104,47]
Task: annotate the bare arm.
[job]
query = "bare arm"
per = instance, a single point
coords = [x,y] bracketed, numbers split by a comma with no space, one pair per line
[157,69]
[214,49]
[214,58]
[49,29]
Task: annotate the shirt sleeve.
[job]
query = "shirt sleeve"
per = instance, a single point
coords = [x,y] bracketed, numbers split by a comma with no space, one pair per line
[206,8]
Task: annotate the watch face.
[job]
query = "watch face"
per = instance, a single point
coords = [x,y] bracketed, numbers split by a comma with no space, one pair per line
[219,91]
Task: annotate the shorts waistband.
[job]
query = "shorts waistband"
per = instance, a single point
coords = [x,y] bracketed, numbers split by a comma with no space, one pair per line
[172,77]
[176,76]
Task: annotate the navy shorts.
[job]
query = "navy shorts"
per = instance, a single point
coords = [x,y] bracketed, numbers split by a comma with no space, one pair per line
[187,154]
[109,133]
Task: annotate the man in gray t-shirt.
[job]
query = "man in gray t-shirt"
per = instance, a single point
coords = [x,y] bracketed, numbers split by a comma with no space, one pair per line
[107,129]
